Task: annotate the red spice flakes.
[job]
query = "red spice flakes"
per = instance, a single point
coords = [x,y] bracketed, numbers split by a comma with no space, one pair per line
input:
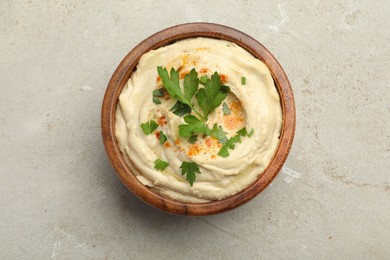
[194,150]
[167,145]
[162,121]
[224,78]
[210,142]
[236,107]
[233,121]
[157,134]
[203,70]
[158,79]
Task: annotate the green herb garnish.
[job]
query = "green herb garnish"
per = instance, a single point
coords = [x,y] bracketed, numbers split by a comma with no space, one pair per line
[243,80]
[243,132]
[230,143]
[225,109]
[193,139]
[219,134]
[160,165]
[208,98]
[203,80]
[211,96]
[156,94]
[193,126]
[163,138]
[149,127]
[180,109]
[171,84]
[189,169]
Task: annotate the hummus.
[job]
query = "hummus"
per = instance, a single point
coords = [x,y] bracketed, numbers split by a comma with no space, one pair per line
[252,102]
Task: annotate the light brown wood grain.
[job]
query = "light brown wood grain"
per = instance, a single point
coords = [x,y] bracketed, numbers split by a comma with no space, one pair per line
[123,73]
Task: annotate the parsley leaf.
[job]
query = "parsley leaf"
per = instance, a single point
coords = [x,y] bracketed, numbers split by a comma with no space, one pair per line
[225,109]
[211,96]
[149,126]
[160,165]
[225,89]
[171,83]
[193,139]
[243,80]
[180,109]
[191,84]
[251,132]
[190,169]
[230,144]
[156,94]
[243,132]
[193,126]
[219,134]
[156,100]
[163,138]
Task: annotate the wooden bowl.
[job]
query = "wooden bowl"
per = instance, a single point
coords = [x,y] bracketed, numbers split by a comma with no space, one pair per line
[123,73]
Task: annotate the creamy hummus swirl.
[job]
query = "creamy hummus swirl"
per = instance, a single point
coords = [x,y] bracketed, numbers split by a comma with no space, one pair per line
[254,105]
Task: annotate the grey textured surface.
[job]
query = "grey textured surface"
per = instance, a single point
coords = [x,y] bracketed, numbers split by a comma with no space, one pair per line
[61,199]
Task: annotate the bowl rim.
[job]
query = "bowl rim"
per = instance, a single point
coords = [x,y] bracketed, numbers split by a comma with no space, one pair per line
[166,37]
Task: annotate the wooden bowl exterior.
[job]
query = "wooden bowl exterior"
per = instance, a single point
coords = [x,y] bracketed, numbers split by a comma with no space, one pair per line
[123,73]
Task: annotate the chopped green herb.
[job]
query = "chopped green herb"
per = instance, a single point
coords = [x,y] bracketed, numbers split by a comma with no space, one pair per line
[149,127]
[225,109]
[156,94]
[203,80]
[230,143]
[193,126]
[180,109]
[243,132]
[251,132]
[160,165]
[156,100]
[243,80]
[193,139]
[163,138]
[225,89]
[219,134]
[189,169]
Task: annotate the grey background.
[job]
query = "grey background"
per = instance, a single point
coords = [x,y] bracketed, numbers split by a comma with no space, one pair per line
[60,198]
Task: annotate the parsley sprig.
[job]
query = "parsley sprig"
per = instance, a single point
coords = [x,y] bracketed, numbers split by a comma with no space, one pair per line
[231,142]
[208,98]
[189,169]
[172,85]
